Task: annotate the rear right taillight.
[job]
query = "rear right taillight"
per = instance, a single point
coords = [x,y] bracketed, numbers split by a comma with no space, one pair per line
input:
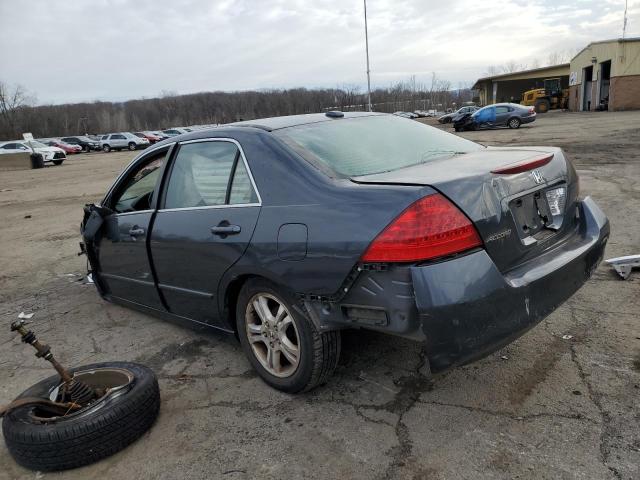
[430,228]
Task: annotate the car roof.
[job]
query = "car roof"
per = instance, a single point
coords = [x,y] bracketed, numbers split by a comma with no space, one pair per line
[276,123]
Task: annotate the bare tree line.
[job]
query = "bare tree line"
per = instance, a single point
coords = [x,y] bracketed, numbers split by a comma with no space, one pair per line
[18,113]
[553,58]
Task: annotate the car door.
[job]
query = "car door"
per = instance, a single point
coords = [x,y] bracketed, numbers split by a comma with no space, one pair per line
[124,265]
[118,141]
[12,148]
[502,115]
[208,212]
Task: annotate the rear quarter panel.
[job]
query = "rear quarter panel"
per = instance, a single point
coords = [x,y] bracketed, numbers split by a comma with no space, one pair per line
[341,217]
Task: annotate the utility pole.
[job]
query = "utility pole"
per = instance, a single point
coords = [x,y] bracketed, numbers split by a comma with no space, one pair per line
[624,24]
[366,40]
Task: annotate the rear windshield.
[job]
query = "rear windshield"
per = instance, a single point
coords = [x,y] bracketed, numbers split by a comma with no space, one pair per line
[368,145]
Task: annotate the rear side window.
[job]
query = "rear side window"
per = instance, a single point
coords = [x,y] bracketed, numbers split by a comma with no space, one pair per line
[372,144]
[241,189]
[208,174]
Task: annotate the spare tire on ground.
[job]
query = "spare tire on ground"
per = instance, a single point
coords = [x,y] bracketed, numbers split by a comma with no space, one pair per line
[41,440]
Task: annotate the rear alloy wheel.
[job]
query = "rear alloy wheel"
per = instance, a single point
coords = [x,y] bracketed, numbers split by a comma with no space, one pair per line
[132,146]
[106,148]
[281,343]
[514,123]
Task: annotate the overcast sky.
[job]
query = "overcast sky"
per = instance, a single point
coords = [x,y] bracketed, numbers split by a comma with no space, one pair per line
[75,50]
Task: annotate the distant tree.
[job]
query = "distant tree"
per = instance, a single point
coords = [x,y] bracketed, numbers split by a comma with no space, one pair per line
[12,99]
[492,70]
[512,66]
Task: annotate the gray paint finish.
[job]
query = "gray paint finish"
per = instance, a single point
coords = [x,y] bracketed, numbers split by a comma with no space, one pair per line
[310,230]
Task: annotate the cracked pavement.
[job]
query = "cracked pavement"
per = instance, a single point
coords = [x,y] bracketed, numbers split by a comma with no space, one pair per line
[543,407]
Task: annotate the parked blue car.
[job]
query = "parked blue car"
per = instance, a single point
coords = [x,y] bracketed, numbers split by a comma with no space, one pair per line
[509,115]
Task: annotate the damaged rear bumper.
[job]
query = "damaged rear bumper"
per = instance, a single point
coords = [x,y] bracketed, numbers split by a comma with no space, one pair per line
[465,308]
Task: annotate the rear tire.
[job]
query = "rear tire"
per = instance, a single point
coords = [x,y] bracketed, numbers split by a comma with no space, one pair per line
[316,353]
[86,149]
[514,123]
[106,148]
[132,146]
[74,441]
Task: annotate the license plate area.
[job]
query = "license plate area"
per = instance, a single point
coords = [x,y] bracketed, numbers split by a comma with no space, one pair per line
[538,215]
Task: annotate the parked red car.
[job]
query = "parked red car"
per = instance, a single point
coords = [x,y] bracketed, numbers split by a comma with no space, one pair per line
[152,138]
[67,147]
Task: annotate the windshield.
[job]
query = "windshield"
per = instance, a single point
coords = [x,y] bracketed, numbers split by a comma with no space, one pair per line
[36,144]
[368,145]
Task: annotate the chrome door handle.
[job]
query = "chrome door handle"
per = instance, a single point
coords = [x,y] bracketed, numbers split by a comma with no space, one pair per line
[224,230]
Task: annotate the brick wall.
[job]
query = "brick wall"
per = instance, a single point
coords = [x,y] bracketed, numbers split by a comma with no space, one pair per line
[625,93]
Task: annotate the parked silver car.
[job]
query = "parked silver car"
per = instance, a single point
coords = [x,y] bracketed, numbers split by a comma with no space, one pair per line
[122,140]
[174,132]
[448,117]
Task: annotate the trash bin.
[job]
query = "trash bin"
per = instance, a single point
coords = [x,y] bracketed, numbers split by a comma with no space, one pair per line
[37,160]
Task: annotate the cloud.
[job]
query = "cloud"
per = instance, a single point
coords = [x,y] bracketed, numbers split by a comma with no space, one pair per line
[74,50]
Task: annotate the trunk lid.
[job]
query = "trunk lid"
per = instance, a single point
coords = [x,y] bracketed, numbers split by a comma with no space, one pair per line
[518,215]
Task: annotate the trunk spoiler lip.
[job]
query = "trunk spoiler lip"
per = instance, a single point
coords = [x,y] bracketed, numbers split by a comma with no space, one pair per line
[524,165]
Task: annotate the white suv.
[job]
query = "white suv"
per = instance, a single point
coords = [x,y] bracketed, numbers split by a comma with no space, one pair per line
[53,155]
[122,140]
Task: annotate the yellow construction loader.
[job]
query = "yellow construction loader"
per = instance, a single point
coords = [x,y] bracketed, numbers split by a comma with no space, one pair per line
[552,96]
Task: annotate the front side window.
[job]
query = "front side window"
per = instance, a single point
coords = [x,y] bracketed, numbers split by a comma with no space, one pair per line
[138,189]
[208,174]
[371,144]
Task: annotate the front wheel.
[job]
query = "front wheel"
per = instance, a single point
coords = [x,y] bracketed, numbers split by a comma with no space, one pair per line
[514,123]
[106,148]
[58,162]
[132,146]
[281,341]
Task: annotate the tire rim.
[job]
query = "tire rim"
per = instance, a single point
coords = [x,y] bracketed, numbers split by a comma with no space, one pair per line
[132,147]
[273,335]
[112,382]
[514,123]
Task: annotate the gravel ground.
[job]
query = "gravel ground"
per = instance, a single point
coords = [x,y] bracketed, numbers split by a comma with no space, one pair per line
[543,407]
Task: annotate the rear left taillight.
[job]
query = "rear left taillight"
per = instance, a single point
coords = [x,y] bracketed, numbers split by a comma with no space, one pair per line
[430,228]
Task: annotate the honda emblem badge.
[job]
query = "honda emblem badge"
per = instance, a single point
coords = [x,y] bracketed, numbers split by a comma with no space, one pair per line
[537,176]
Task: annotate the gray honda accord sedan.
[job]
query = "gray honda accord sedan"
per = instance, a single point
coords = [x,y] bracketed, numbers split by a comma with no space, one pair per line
[285,231]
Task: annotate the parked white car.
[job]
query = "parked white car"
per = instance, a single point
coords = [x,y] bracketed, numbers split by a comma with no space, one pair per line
[174,132]
[122,140]
[53,155]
